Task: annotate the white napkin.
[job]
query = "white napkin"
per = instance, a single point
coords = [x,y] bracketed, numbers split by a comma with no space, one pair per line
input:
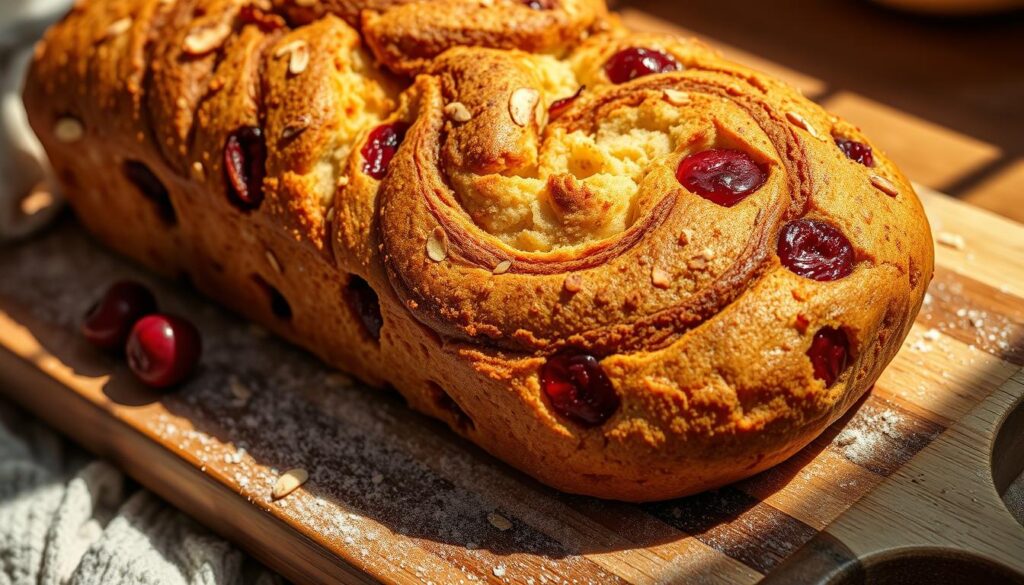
[29,198]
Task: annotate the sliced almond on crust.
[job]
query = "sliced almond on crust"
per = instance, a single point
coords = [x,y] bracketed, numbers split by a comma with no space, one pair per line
[272,260]
[203,40]
[660,278]
[521,105]
[458,112]
[437,245]
[68,129]
[502,267]
[884,185]
[573,283]
[299,60]
[800,122]
[119,27]
[676,97]
[289,481]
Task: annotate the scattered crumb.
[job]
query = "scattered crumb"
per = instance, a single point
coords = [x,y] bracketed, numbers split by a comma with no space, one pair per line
[951,240]
[498,521]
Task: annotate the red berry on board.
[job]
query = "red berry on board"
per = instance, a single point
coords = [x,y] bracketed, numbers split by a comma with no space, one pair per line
[163,350]
[110,320]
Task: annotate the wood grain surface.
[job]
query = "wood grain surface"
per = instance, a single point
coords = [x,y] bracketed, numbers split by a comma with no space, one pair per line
[395,497]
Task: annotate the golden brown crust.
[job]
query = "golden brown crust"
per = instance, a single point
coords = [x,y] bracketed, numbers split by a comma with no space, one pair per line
[405,35]
[504,231]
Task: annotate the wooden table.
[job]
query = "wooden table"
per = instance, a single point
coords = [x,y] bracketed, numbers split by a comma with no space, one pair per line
[907,486]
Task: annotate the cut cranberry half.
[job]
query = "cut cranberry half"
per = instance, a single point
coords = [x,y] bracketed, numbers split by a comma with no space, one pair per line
[856,151]
[635,62]
[578,388]
[829,352]
[245,161]
[151,188]
[558,107]
[721,175]
[365,304]
[380,148]
[109,321]
[816,250]
[163,350]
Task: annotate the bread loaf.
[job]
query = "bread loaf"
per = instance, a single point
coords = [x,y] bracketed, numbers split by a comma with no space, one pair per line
[617,261]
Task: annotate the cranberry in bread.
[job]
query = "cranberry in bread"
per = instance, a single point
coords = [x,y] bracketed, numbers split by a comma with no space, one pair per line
[617,261]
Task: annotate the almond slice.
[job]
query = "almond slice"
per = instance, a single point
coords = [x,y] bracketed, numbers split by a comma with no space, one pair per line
[295,127]
[272,260]
[502,267]
[676,97]
[884,185]
[498,521]
[119,27]
[660,278]
[458,112]
[437,245]
[68,130]
[521,105]
[203,40]
[299,59]
[951,240]
[799,121]
[289,481]
[287,48]
[573,283]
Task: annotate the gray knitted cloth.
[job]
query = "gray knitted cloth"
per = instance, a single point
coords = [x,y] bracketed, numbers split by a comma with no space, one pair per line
[67,518]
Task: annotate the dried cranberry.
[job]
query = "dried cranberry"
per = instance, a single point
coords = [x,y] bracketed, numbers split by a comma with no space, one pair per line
[815,249]
[109,321]
[558,107]
[380,148]
[364,302]
[722,175]
[856,151]
[163,350]
[245,161]
[151,188]
[829,352]
[578,388]
[636,62]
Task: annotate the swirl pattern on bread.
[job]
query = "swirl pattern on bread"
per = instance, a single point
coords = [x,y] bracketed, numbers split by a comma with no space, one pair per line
[617,261]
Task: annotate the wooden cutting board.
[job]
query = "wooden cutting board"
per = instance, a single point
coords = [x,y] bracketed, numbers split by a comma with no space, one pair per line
[396,497]
[906,488]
